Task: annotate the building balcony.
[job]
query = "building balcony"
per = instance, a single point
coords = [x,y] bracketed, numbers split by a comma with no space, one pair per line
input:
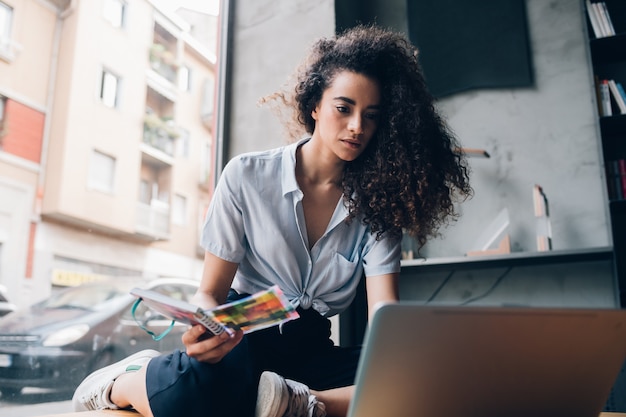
[160,134]
[163,62]
[153,220]
[159,140]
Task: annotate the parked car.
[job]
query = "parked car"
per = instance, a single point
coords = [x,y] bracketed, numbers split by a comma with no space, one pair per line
[57,342]
[5,306]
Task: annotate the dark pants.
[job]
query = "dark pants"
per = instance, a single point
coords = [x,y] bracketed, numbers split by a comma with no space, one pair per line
[302,350]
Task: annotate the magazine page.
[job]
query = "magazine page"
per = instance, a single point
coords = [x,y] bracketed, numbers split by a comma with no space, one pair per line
[258,311]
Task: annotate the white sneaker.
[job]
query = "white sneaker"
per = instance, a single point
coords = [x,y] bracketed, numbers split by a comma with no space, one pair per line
[95,390]
[280,397]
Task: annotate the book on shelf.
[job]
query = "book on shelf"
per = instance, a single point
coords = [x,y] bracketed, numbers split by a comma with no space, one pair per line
[593,18]
[605,98]
[600,19]
[255,312]
[606,18]
[621,90]
[617,96]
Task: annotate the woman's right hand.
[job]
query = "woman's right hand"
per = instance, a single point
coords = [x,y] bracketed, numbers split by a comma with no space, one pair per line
[200,343]
[209,349]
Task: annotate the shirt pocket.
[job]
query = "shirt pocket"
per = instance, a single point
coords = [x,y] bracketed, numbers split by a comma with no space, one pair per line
[340,278]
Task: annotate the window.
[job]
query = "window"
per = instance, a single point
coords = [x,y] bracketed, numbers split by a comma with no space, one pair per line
[101,172]
[6,17]
[184,78]
[179,210]
[3,102]
[182,144]
[206,165]
[145,192]
[114,12]
[109,89]
[6,20]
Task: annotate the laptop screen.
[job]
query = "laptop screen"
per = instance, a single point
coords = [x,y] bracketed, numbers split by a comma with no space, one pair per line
[488,361]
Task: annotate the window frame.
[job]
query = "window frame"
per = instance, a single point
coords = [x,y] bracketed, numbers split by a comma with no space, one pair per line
[3,107]
[107,74]
[179,210]
[3,110]
[183,144]
[115,16]
[184,78]
[94,180]
[7,45]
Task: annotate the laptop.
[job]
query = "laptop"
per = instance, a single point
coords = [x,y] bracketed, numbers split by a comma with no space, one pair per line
[436,361]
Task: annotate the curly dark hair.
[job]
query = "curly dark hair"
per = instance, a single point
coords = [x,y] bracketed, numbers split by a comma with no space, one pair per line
[409,174]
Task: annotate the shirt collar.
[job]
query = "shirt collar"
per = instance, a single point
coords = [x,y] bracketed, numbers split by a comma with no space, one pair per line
[289,182]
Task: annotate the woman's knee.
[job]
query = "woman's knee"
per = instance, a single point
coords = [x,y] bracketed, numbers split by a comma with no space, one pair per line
[179,385]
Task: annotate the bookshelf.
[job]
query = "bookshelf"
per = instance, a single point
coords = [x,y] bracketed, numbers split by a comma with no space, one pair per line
[608,60]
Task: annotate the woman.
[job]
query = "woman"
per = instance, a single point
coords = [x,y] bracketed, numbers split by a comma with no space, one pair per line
[311,217]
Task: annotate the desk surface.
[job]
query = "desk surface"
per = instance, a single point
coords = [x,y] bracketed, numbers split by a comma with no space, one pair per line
[511,259]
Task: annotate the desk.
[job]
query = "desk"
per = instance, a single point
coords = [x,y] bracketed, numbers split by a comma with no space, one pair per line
[514,259]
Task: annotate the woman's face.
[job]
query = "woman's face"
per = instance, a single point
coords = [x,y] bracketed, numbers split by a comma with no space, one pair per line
[346,117]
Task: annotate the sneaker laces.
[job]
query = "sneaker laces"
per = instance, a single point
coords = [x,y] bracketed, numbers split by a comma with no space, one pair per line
[98,399]
[301,402]
[315,407]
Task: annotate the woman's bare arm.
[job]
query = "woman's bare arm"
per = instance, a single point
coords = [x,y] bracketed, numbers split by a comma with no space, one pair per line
[381,288]
[217,278]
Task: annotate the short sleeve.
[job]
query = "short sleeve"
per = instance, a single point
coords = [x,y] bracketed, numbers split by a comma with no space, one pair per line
[381,256]
[223,233]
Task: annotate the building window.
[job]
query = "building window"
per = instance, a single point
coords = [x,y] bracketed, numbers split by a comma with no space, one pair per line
[3,104]
[179,210]
[109,88]
[114,12]
[184,78]
[6,21]
[6,18]
[207,162]
[145,192]
[182,144]
[101,172]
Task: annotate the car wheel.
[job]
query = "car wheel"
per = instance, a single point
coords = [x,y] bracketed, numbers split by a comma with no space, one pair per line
[8,392]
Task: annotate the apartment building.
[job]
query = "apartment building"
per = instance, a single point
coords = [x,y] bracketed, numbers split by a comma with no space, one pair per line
[106,150]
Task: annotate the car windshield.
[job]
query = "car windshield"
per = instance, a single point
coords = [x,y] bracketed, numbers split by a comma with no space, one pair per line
[87,297]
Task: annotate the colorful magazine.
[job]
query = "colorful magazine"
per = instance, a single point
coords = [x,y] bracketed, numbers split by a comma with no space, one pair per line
[255,312]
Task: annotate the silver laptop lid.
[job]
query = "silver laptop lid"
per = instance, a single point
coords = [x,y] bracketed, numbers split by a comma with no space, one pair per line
[426,361]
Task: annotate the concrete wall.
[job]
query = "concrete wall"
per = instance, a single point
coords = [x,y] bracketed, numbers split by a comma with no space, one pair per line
[270,38]
[546,134]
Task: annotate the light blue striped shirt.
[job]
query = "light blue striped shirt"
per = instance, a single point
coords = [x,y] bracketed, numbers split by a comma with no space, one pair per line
[256,220]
